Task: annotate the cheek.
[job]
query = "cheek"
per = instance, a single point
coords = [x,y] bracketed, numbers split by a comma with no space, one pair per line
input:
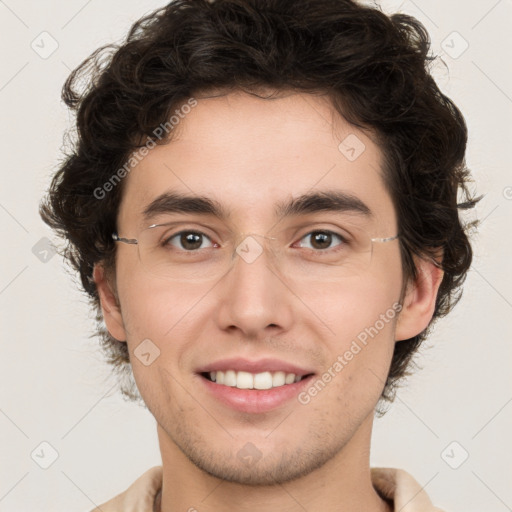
[158,322]
[160,319]
[356,370]
[347,307]
[361,315]
[155,308]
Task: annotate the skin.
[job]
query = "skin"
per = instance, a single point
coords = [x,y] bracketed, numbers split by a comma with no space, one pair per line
[313,456]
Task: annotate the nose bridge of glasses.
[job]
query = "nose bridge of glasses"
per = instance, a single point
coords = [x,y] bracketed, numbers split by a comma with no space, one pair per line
[242,236]
[249,246]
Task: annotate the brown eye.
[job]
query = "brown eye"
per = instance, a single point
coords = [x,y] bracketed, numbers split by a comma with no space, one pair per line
[188,240]
[321,240]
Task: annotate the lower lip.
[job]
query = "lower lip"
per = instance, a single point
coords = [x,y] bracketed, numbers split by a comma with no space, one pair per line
[255,400]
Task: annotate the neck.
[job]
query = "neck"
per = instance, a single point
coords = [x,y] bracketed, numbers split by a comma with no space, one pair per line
[343,484]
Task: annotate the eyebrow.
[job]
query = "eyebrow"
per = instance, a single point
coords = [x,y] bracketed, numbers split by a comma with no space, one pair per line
[312,202]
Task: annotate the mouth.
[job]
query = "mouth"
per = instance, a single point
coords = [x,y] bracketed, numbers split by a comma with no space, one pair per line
[253,386]
[253,381]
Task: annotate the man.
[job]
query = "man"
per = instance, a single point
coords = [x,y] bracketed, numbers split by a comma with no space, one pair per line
[262,206]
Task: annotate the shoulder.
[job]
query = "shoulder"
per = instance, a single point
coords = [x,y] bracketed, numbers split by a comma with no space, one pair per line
[400,487]
[139,497]
[394,484]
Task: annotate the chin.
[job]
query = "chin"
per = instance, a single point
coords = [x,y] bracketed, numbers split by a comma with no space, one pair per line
[249,466]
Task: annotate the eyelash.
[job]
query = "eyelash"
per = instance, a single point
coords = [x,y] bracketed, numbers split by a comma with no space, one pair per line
[323,231]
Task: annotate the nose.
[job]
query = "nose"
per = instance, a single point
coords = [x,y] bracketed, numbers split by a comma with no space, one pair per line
[253,299]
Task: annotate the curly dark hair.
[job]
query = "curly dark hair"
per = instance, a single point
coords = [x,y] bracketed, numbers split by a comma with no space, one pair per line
[374,69]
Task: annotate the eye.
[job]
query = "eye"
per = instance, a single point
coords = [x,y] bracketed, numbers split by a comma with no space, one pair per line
[321,240]
[189,240]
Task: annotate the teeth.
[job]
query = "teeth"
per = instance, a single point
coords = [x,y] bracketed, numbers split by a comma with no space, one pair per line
[229,378]
[246,380]
[278,379]
[263,380]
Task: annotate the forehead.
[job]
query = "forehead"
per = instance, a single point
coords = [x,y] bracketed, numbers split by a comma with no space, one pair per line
[249,154]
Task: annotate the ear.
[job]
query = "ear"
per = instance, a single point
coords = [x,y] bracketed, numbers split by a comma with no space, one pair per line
[109,303]
[419,301]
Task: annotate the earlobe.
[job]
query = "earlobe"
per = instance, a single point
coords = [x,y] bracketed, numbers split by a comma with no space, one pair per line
[109,304]
[419,300]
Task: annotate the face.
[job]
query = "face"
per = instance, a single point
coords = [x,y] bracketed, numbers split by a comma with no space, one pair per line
[258,322]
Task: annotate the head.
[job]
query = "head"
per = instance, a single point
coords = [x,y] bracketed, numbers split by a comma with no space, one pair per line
[251,105]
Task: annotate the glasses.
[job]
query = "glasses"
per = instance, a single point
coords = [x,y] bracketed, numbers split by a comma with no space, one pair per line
[177,253]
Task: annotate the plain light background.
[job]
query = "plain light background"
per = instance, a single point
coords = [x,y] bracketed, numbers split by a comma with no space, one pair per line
[55,387]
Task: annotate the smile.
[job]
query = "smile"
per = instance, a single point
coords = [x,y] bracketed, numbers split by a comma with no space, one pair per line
[247,380]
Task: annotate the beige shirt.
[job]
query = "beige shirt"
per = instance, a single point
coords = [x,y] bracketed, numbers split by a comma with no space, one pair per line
[395,485]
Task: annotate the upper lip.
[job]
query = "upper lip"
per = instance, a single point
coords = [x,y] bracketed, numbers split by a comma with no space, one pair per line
[257,366]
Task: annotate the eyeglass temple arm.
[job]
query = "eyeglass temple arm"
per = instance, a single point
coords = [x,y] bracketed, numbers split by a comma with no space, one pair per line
[117,238]
[389,239]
